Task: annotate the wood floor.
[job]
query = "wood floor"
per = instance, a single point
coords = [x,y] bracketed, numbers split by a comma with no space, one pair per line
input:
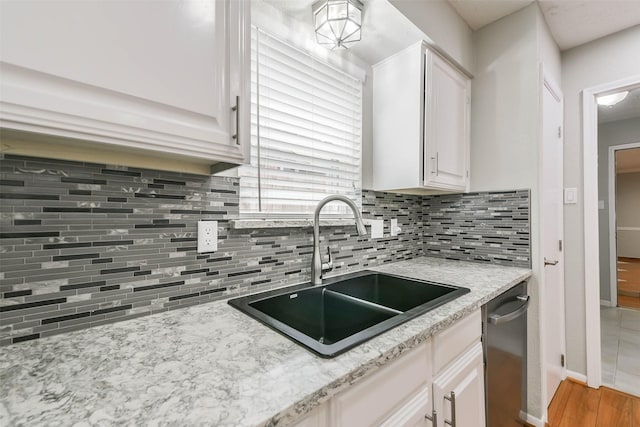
[629,282]
[576,405]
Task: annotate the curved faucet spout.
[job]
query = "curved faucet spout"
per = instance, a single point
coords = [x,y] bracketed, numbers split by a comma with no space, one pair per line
[316,261]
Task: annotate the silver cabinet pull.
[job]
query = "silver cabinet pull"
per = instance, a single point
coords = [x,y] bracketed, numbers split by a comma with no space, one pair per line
[547,262]
[433,418]
[452,399]
[435,165]
[236,108]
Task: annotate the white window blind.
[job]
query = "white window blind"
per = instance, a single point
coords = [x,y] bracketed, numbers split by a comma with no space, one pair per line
[306,132]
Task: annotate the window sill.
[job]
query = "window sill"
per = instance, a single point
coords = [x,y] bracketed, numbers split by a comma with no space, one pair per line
[244,224]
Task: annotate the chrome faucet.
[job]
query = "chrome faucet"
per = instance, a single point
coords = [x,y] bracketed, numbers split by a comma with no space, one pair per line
[317,266]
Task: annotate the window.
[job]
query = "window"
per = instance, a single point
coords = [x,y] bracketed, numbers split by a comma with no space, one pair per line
[306,131]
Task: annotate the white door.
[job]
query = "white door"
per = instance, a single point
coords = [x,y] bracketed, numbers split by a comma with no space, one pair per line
[459,391]
[552,232]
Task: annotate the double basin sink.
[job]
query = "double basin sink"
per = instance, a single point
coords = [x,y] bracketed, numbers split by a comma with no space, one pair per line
[345,311]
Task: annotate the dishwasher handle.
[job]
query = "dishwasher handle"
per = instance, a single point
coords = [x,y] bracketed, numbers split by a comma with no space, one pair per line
[498,319]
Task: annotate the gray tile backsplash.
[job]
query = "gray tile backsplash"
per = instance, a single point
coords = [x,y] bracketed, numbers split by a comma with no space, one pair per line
[85,244]
[479,227]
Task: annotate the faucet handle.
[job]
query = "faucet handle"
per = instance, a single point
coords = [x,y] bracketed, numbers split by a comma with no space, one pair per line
[327,266]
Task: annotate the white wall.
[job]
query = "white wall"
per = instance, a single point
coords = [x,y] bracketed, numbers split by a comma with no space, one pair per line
[505,135]
[504,105]
[601,61]
[612,133]
[628,214]
[439,20]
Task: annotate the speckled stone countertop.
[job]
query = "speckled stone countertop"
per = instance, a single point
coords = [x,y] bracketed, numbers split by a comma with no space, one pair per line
[210,364]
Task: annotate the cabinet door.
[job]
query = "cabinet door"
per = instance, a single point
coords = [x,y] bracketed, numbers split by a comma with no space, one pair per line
[381,395]
[412,414]
[446,125]
[152,75]
[461,386]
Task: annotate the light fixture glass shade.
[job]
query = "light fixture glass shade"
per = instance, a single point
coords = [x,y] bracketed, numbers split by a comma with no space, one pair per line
[613,99]
[337,22]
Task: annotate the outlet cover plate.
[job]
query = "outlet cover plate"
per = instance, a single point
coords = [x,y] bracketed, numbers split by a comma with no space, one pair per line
[377,227]
[393,228]
[207,236]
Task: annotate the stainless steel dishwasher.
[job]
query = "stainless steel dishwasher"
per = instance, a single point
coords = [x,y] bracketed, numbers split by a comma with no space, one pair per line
[504,327]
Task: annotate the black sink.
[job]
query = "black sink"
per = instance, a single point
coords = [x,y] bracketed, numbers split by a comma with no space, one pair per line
[394,292]
[325,316]
[346,310]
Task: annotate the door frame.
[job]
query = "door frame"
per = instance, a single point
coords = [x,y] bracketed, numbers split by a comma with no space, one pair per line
[613,240]
[591,252]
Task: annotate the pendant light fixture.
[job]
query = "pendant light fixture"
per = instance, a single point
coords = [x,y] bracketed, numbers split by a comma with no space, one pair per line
[337,22]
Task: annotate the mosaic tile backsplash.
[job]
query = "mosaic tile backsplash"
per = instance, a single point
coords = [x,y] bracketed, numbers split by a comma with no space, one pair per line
[479,227]
[86,244]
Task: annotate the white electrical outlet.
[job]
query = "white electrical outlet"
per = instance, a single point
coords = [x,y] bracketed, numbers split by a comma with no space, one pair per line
[207,236]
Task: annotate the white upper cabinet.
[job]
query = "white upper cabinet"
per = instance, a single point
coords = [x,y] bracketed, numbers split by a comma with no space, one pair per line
[420,123]
[162,76]
[446,119]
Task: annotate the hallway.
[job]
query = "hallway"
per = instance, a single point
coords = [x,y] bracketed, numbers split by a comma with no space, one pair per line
[620,332]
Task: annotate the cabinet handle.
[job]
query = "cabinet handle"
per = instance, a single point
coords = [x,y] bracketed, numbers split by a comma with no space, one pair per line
[236,108]
[452,399]
[433,418]
[435,165]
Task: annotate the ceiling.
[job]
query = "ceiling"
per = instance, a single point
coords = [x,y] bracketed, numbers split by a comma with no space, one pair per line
[571,22]
[478,13]
[387,30]
[626,109]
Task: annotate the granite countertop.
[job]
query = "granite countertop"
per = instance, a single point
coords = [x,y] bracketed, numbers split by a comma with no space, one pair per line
[210,364]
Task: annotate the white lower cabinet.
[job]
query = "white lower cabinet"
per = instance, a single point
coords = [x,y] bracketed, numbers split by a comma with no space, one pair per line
[444,376]
[458,392]
[412,414]
[381,396]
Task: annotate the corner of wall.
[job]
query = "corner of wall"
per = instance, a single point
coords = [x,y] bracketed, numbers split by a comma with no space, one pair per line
[442,24]
[548,50]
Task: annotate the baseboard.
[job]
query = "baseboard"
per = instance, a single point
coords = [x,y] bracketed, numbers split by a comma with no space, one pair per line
[576,376]
[531,420]
[605,303]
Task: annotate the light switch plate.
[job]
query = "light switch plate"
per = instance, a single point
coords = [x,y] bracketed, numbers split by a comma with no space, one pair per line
[600,204]
[377,227]
[394,229]
[207,236]
[570,196]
